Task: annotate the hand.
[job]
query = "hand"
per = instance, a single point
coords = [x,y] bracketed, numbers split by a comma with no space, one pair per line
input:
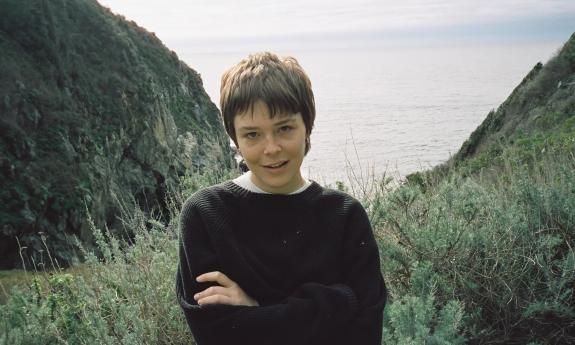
[229,292]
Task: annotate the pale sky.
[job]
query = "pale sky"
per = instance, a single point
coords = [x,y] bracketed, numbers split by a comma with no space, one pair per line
[230,19]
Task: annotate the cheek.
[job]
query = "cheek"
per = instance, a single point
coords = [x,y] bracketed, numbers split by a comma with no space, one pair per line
[249,154]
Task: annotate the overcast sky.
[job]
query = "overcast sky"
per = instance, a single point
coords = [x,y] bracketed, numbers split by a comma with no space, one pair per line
[209,19]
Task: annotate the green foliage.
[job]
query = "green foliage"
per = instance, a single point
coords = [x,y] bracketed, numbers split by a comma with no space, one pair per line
[495,255]
[415,318]
[466,260]
[124,294]
[127,297]
[554,133]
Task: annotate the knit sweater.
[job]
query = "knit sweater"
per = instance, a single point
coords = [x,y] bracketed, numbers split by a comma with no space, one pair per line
[309,259]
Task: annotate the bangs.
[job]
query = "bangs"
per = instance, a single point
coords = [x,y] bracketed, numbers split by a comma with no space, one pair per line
[280,99]
[277,103]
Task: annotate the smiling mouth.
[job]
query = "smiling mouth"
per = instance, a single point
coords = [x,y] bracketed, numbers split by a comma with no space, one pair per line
[276,165]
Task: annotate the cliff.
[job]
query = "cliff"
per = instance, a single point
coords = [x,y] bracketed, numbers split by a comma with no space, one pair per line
[96,113]
[538,116]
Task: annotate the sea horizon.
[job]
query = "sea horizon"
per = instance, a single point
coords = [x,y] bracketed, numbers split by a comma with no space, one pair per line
[392,109]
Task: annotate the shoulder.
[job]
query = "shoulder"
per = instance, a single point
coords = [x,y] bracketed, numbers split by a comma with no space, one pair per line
[208,198]
[336,199]
[337,207]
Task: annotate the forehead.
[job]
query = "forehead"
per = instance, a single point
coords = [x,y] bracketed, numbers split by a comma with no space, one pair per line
[259,120]
[260,112]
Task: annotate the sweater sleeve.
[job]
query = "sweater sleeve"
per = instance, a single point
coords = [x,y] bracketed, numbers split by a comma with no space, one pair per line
[362,273]
[311,313]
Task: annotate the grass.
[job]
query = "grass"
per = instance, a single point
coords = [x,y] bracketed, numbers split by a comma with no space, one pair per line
[22,279]
[12,279]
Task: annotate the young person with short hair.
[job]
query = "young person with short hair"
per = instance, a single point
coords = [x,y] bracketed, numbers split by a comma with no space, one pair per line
[271,257]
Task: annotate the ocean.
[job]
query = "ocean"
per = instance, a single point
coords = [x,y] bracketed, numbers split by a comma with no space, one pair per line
[397,110]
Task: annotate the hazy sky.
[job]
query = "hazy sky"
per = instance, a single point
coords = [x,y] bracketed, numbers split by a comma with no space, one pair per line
[231,19]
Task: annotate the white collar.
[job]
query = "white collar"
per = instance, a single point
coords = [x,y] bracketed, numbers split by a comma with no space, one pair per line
[245,181]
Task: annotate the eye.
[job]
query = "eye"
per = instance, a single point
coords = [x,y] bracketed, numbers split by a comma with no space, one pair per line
[285,129]
[251,135]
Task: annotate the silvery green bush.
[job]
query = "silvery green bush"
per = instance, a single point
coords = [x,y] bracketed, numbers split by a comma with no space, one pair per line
[481,260]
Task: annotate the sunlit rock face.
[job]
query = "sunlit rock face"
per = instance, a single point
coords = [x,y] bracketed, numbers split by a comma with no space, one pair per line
[95,114]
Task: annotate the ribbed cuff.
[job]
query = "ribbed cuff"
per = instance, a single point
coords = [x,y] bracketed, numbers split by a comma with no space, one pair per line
[351,298]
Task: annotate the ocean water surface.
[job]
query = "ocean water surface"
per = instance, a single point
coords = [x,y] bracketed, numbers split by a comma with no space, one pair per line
[394,110]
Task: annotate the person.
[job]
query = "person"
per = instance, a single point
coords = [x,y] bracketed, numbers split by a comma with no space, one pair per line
[272,257]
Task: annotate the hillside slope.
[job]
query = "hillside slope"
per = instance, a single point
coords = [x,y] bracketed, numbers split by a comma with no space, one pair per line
[479,250]
[538,116]
[95,112]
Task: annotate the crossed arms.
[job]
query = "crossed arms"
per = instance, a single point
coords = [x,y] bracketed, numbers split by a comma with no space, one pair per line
[219,311]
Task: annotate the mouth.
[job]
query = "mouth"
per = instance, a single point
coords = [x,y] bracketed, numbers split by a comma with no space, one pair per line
[276,165]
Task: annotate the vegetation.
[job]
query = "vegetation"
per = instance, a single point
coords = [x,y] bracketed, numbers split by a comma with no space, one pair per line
[96,111]
[468,260]
[497,254]
[539,115]
[479,250]
[123,295]
[493,229]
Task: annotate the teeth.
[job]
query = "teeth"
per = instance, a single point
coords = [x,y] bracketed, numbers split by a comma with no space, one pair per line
[277,165]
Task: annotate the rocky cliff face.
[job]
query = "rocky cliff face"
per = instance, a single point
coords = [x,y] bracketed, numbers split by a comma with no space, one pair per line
[95,112]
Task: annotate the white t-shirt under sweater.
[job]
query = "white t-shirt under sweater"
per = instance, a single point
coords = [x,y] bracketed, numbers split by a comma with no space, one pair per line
[245,181]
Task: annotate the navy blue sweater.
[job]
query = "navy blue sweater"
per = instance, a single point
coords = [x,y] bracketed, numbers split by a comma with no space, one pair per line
[309,259]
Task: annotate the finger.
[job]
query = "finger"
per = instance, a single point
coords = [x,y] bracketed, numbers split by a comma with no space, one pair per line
[215,276]
[214,290]
[215,299]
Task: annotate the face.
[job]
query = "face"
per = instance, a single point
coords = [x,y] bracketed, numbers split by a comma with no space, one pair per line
[273,149]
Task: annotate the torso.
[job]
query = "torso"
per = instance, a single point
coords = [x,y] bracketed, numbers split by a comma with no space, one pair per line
[273,243]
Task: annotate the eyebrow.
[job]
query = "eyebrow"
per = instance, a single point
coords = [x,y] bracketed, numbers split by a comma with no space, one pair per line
[277,124]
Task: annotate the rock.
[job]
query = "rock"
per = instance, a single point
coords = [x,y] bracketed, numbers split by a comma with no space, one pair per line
[96,113]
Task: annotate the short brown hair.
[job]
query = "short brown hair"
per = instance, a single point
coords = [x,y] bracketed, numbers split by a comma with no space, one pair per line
[279,82]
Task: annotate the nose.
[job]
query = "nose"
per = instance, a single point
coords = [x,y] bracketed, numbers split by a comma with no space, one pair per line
[272,146]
